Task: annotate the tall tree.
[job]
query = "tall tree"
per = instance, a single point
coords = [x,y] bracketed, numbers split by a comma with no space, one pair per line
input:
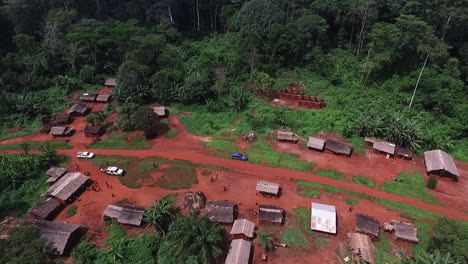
[160,215]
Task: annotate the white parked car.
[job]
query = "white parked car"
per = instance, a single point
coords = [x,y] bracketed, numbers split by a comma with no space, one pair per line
[115,171]
[85,155]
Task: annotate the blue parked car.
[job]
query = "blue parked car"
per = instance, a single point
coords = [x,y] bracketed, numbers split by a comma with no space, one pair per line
[239,156]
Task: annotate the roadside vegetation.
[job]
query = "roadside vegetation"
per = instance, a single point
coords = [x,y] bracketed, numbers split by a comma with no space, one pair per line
[172,133]
[34,145]
[330,174]
[71,211]
[121,140]
[362,180]
[309,189]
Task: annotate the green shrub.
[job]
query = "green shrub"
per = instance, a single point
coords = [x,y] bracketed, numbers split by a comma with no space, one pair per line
[71,211]
[361,180]
[432,183]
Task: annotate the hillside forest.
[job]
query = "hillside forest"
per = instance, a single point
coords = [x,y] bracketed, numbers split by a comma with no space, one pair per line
[392,69]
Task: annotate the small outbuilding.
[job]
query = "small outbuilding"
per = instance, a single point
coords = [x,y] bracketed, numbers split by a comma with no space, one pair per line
[243,227]
[270,214]
[268,188]
[405,231]
[338,147]
[93,131]
[323,218]
[367,225]
[362,248]
[55,174]
[126,214]
[161,111]
[78,110]
[239,252]
[220,211]
[316,143]
[193,201]
[61,131]
[440,163]
[61,235]
[111,82]
[285,135]
[68,186]
[103,98]
[46,209]
[46,127]
[370,141]
[88,97]
[63,119]
[404,153]
[385,147]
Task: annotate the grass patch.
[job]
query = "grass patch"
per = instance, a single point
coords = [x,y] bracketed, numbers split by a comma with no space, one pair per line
[351,201]
[361,180]
[291,161]
[119,141]
[359,145]
[31,129]
[382,250]
[303,220]
[330,174]
[206,173]
[181,175]
[171,197]
[295,238]
[34,145]
[71,211]
[222,145]
[408,211]
[172,133]
[303,188]
[411,184]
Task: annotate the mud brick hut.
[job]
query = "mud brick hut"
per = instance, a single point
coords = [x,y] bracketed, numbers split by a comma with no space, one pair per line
[270,214]
[440,163]
[127,214]
[161,111]
[339,148]
[103,98]
[362,248]
[193,201]
[220,211]
[63,119]
[405,231]
[78,110]
[110,83]
[268,188]
[61,235]
[93,131]
[316,143]
[61,131]
[367,225]
[70,185]
[384,147]
[404,153]
[323,218]
[243,228]
[88,97]
[46,127]
[46,209]
[55,174]
[284,135]
[239,252]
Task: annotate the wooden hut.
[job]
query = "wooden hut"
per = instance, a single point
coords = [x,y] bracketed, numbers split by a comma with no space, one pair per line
[55,174]
[270,214]
[127,214]
[61,131]
[78,110]
[385,147]
[62,236]
[405,231]
[440,163]
[339,148]
[243,228]
[284,135]
[268,188]
[63,119]
[46,209]
[88,97]
[370,141]
[93,131]
[362,249]
[103,98]
[404,153]
[46,127]
[367,225]
[316,143]
[70,185]
[220,211]
[110,83]
[239,252]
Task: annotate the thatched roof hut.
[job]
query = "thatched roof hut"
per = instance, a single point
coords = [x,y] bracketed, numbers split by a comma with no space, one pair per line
[61,235]
[367,225]
[60,131]
[338,147]
[46,127]
[78,109]
[323,218]
[316,143]
[193,201]
[269,188]
[46,209]
[126,214]
[285,135]
[103,98]
[385,147]
[404,153]
[405,231]
[244,227]
[55,174]
[239,252]
[362,248]
[270,213]
[220,211]
[88,97]
[441,163]
[111,82]
[62,119]
[69,185]
[93,131]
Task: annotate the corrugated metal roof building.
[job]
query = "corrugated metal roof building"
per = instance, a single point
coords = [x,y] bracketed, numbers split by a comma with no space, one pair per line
[220,211]
[239,252]
[361,248]
[46,209]
[111,82]
[65,188]
[244,227]
[270,213]
[338,147]
[316,143]
[129,215]
[60,235]
[385,147]
[441,163]
[323,218]
[286,135]
[367,225]
[270,188]
[405,231]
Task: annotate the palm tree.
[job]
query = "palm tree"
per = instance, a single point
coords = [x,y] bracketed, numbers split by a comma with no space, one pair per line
[436,258]
[24,146]
[265,240]
[160,215]
[193,238]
